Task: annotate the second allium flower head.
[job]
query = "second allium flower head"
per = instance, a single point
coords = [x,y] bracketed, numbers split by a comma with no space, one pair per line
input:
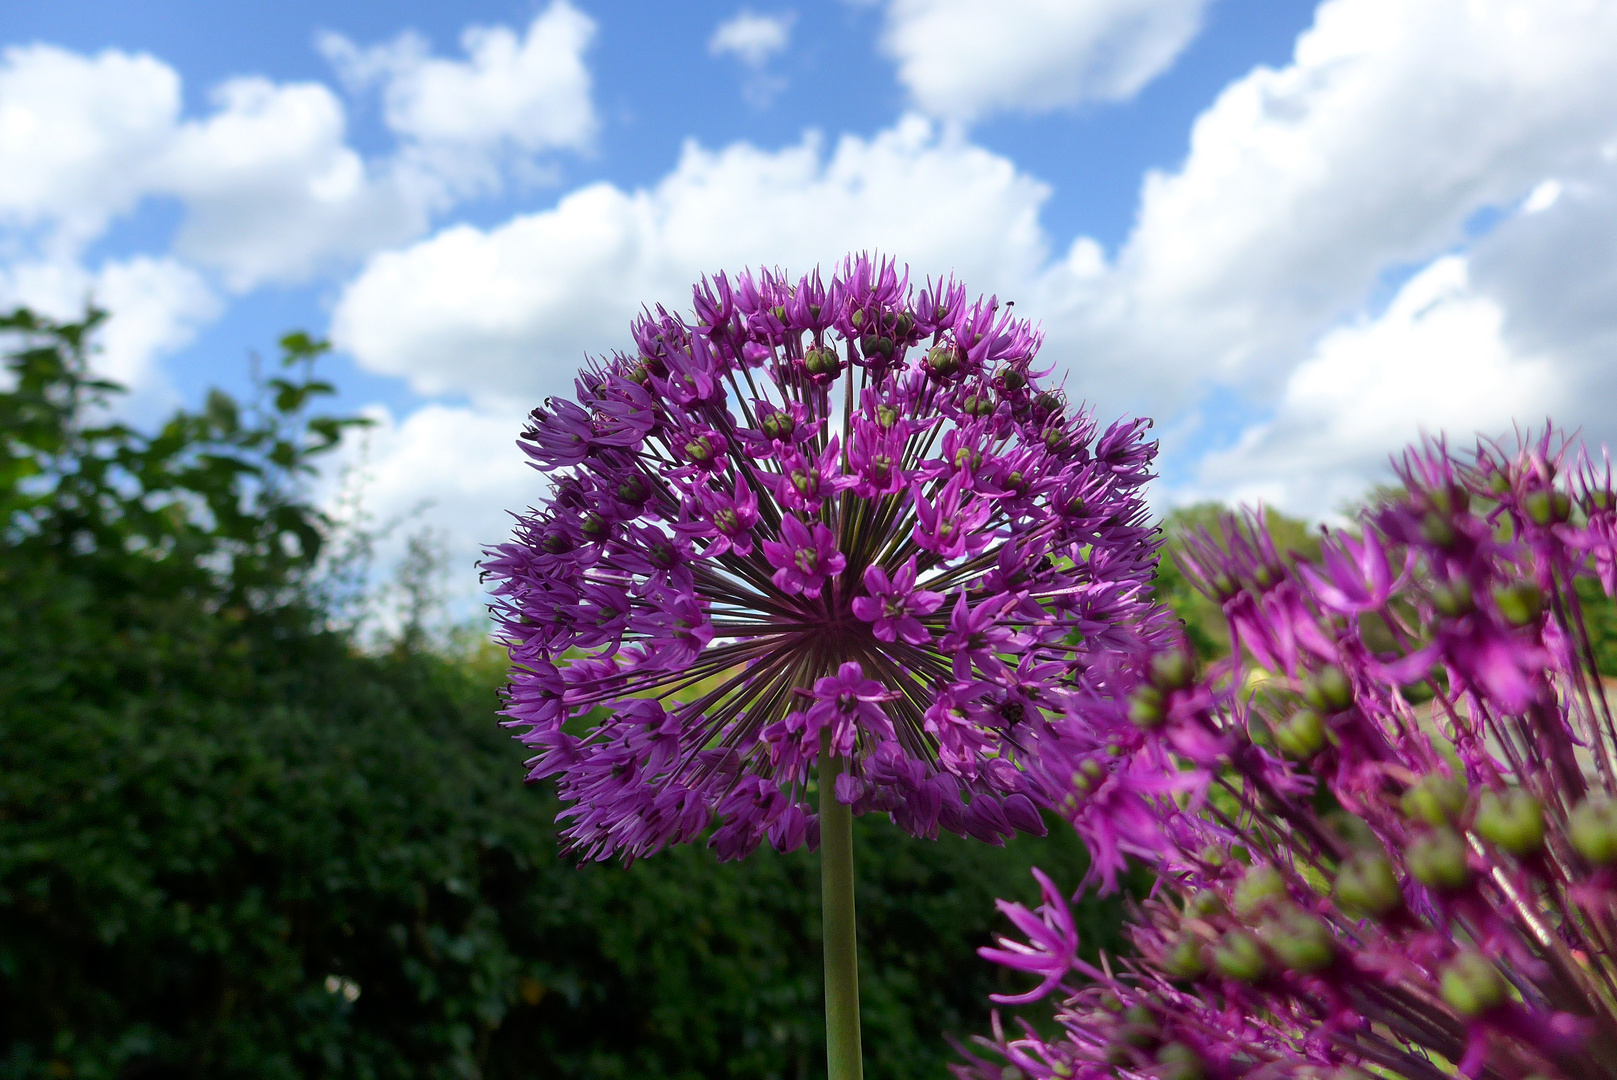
[846,510]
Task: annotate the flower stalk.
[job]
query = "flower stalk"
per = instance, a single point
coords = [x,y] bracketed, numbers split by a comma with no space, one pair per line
[840,940]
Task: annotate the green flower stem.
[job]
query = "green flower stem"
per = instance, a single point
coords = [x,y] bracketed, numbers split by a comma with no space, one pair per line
[842,1053]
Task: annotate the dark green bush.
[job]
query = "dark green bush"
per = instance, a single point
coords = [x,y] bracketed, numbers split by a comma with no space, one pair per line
[234,845]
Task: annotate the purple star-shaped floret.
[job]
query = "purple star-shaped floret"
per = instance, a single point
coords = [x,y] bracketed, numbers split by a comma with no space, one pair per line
[846,701]
[805,559]
[894,602]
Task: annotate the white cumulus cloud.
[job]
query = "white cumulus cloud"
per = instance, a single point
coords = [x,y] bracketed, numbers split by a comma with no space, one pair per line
[155,306]
[510,97]
[510,312]
[962,59]
[751,38]
[1434,362]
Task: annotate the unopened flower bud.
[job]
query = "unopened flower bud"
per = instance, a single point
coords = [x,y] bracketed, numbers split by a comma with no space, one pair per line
[634,491]
[1470,984]
[1519,602]
[858,318]
[822,362]
[1177,1061]
[1204,903]
[1239,956]
[886,417]
[1049,402]
[1184,958]
[978,405]
[903,325]
[779,425]
[1437,859]
[1146,708]
[1437,529]
[1261,887]
[1512,822]
[1453,598]
[1367,885]
[1011,379]
[1547,507]
[1592,828]
[1301,736]
[1139,1028]
[942,361]
[876,345]
[594,526]
[1299,941]
[1171,670]
[1329,691]
[1435,799]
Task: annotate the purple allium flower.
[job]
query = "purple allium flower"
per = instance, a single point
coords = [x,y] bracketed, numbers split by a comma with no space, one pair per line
[816,506]
[1385,827]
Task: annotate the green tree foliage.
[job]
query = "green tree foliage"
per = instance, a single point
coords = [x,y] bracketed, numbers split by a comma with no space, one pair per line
[234,845]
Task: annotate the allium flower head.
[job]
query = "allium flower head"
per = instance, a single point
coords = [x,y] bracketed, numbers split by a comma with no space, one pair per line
[1385,827]
[815,510]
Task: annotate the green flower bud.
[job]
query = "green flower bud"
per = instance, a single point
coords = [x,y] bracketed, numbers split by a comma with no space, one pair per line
[822,362]
[1470,984]
[1435,799]
[1048,402]
[876,345]
[1437,529]
[1239,956]
[634,491]
[1499,482]
[1203,904]
[1547,507]
[1259,731]
[942,361]
[1437,858]
[1592,828]
[1512,822]
[1453,598]
[1299,941]
[1180,1062]
[886,416]
[1184,958]
[1261,887]
[903,325]
[858,318]
[1171,670]
[978,405]
[1011,379]
[1145,708]
[779,425]
[1366,884]
[1520,603]
[1139,1027]
[1119,1053]
[594,526]
[779,311]
[1300,737]
[1329,691]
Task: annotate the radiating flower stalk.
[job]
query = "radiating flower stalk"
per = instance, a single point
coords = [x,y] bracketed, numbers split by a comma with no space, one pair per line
[820,538]
[1384,828]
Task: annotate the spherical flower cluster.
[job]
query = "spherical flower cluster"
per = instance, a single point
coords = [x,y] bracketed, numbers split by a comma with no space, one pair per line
[1385,827]
[846,515]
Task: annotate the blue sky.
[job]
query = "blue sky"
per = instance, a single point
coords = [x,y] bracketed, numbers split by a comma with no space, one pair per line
[1296,234]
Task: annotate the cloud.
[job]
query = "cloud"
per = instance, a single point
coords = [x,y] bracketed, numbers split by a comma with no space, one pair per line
[271,189]
[452,469]
[508,313]
[1395,123]
[963,59]
[78,135]
[1436,361]
[155,305]
[752,38]
[509,99]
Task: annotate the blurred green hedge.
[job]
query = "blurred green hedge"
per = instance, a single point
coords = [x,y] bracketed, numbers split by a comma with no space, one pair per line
[232,844]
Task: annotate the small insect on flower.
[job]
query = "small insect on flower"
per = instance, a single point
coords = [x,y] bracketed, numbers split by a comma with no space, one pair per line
[812,508]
